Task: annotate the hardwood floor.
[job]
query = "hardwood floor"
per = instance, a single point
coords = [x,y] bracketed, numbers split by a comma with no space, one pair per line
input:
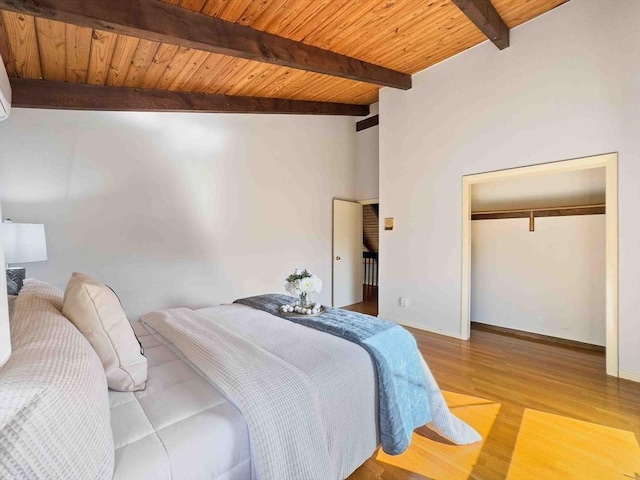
[545,411]
[369,304]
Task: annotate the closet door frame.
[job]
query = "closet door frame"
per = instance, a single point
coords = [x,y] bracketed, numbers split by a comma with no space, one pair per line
[610,162]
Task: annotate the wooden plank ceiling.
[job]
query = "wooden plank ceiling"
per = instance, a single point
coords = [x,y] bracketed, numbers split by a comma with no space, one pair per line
[402,35]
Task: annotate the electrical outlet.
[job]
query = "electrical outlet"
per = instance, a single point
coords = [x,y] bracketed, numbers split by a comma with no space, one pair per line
[404,301]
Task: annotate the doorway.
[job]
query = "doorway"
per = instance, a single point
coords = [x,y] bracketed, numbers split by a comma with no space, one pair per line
[370,257]
[609,162]
[356,243]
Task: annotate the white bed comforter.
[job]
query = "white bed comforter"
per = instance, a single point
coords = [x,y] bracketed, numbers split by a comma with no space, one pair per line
[180,427]
[316,418]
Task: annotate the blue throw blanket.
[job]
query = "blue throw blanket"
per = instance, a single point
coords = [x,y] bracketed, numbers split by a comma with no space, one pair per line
[402,391]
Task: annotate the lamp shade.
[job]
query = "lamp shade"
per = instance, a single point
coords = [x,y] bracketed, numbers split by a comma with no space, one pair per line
[24,242]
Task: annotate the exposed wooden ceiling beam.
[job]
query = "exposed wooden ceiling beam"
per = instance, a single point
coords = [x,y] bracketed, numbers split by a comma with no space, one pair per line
[30,93]
[484,15]
[367,123]
[163,22]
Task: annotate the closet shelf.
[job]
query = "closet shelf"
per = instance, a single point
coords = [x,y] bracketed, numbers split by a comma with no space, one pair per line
[598,209]
[532,213]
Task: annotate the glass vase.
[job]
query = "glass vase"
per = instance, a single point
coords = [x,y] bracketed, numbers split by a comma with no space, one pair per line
[305,300]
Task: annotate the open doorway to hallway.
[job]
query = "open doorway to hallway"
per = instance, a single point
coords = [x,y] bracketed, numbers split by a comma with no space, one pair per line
[370,257]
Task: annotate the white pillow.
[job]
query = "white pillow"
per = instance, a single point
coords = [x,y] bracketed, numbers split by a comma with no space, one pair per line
[44,290]
[54,406]
[96,311]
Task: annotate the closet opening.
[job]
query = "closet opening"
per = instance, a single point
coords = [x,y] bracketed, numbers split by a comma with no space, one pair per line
[540,253]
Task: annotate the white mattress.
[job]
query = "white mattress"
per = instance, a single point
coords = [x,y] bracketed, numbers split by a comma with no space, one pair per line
[180,426]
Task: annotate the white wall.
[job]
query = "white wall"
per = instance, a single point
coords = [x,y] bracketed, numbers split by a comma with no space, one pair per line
[5,333]
[563,90]
[367,164]
[561,189]
[550,281]
[178,209]
[367,161]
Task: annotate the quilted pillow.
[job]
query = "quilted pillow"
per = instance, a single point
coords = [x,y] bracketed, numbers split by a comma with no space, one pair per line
[54,407]
[96,311]
[45,290]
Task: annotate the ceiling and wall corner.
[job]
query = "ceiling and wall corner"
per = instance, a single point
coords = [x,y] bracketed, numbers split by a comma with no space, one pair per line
[559,92]
[374,109]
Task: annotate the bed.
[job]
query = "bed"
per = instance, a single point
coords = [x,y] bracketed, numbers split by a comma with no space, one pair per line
[181,426]
[347,403]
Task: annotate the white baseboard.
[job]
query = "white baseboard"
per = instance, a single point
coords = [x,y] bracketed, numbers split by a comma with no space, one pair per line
[634,377]
[421,327]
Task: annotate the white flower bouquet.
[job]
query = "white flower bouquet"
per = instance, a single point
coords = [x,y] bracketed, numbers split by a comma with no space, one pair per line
[301,283]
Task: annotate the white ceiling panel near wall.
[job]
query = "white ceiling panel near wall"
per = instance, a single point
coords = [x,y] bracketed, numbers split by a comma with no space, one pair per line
[580,187]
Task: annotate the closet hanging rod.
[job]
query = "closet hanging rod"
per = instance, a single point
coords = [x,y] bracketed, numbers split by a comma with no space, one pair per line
[596,209]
